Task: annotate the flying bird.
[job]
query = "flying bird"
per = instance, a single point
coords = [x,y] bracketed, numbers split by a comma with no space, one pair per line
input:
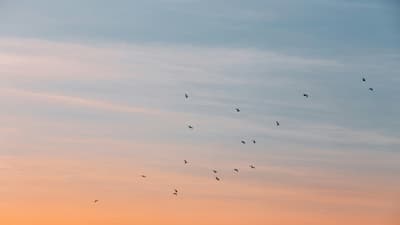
[253,167]
[277,123]
[217,178]
[95,201]
[254,141]
[175,192]
[237,109]
[215,171]
[305,95]
[190,126]
[186,95]
[185,161]
[371,89]
[363,79]
[143,176]
[236,170]
[243,142]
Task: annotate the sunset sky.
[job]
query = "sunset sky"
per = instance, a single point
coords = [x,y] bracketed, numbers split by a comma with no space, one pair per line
[92,97]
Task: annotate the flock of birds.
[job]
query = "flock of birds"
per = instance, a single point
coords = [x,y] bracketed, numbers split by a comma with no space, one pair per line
[235,170]
[215,172]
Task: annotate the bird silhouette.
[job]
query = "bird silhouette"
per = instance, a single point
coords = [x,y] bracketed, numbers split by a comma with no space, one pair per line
[143,176]
[363,79]
[243,142]
[95,201]
[277,123]
[237,109]
[190,126]
[254,141]
[253,167]
[371,89]
[236,170]
[185,161]
[175,192]
[217,178]
[215,171]
[186,95]
[305,95]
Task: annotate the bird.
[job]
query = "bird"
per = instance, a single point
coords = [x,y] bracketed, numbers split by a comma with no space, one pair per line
[175,192]
[186,95]
[305,95]
[185,161]
[143,176]
[190,126]
[371,89]
[215,171]
[95,201]
[237,109]
[277,123]
[254,141]
[217,178]
[243,142]
[363,79]
[253,167]
[236,170]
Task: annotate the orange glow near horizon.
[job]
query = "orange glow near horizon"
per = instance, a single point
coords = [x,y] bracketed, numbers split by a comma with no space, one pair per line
[52,191]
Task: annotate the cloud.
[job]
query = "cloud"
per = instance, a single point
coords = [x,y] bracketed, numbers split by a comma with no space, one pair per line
[47,60]
[154,76]
[78,101]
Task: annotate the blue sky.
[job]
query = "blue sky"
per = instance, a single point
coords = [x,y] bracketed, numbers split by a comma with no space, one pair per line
[104,81]
[330,27]
[261,55]
[362,34]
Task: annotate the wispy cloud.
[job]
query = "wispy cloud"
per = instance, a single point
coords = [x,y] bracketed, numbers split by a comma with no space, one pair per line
[55,60]
[78,101]
[30,67]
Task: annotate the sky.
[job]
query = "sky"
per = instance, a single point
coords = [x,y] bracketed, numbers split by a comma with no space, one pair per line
[92,97]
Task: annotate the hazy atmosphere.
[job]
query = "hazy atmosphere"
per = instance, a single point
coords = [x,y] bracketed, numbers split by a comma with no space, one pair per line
[117,112]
